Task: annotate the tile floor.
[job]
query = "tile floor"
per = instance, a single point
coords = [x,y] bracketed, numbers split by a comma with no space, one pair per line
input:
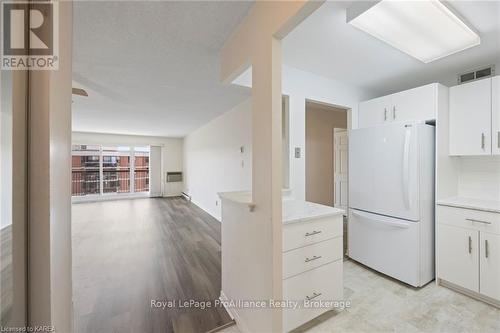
[381,304]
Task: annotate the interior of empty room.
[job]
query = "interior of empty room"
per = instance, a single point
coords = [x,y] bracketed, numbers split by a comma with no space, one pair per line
[255,166]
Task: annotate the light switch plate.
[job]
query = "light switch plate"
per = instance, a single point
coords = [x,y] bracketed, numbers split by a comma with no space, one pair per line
[297,152]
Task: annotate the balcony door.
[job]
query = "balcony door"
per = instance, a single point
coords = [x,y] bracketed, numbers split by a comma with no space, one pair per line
[109,171]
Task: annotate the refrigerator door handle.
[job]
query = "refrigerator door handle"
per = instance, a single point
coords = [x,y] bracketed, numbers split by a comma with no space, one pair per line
[406,169]
[381,220]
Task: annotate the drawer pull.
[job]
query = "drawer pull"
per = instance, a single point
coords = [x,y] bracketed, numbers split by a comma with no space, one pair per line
[313,258]
[478,221]
[314,232]
[314,295]
[486,248]
[470,244]
[482,140]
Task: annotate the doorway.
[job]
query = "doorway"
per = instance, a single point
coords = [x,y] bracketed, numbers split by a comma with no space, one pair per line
[322,162]
[327,165]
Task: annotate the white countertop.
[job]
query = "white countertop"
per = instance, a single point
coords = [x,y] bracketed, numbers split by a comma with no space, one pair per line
[471,203]
[299,210]
[293,210]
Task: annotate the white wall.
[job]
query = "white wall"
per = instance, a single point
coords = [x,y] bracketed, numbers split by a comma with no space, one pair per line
[479,177]
[213,160]
[211,153]
[172,152]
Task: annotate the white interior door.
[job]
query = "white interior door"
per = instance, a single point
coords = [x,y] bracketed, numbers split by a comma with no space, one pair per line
[340,167]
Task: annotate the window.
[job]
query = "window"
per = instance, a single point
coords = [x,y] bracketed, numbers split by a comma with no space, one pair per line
[116,169]
[141,172]
[85,170]
[107,170]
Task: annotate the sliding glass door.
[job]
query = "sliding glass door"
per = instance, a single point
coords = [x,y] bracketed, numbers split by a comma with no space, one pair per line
[141,170]
[116,166]
[85,170]
[107,170]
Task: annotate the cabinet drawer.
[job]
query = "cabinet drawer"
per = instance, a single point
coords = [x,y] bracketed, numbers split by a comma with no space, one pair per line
[468,218]
[300,234]
[311,256]
[324,281]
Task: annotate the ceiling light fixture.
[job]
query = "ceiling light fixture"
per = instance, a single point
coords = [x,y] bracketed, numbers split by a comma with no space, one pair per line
[427,30]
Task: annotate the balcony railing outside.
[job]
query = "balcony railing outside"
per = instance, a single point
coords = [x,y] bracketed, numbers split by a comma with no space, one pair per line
[114,164]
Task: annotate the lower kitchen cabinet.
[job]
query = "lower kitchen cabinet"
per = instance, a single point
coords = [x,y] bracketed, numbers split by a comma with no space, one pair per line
[468,250]
[489,265]
[458,258]
[312,268]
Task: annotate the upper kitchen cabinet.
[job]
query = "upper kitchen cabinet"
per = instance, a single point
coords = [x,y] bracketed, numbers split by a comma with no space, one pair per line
[374,112]
[495,115]
[471,118]
[414,104]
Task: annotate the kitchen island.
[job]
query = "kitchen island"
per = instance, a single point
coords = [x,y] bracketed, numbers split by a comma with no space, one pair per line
[312,238]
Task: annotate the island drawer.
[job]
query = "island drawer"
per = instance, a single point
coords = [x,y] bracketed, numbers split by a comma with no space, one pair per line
[299,234]
[321,284]
[309,257]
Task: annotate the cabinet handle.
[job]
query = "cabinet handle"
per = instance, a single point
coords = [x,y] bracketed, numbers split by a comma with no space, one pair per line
[478,221]
[482,140]
[314,295]
[385,114]
[470,244]
[312,259]
[314,232]
[486,248]
[394,112]
[498,139]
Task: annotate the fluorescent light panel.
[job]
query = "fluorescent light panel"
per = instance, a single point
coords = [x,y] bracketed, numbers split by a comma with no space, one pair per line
[426,30]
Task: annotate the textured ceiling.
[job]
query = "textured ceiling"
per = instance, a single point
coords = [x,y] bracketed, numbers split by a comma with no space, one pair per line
[326,45]
[151,68]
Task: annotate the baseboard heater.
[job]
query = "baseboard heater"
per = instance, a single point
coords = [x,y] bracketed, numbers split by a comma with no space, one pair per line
[186,196]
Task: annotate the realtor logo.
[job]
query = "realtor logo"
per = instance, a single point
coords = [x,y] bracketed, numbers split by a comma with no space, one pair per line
[29,35]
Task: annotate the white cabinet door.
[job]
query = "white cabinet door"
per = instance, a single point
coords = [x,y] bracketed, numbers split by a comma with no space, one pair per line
[470,118]
[458,256]
[415,104]
[374,112]
[489,264]
[495,115]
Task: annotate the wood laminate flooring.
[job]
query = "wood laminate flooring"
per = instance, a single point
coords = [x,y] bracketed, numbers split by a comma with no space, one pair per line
[127,253]
[6,286]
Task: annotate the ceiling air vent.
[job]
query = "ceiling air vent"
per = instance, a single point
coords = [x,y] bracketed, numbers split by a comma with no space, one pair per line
[476,74]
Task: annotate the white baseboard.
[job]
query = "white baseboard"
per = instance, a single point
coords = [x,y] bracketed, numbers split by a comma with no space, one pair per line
[467,292]
[233,313]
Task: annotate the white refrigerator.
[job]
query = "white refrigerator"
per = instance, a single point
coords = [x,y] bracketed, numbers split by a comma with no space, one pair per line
[391,200]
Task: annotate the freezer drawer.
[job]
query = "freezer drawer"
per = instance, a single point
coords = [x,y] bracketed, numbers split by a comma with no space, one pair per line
[388,245]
